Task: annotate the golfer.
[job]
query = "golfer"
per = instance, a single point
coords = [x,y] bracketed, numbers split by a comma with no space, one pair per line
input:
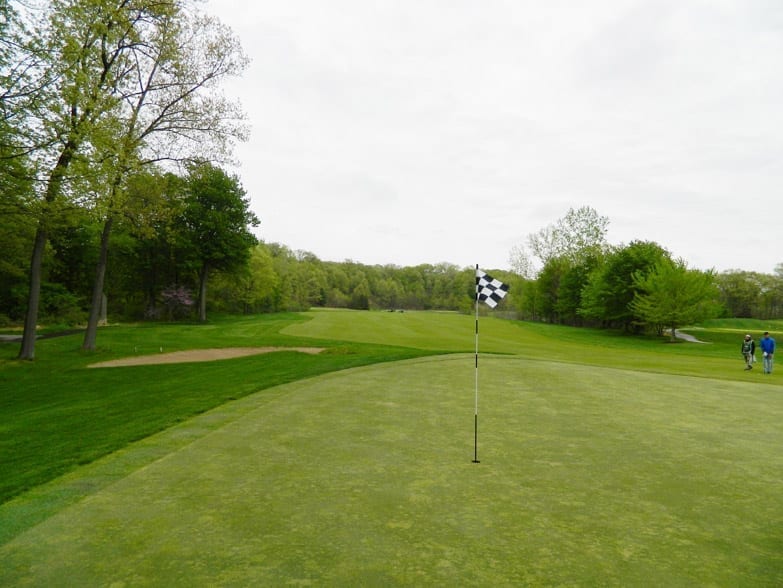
[767,350]
[748,349]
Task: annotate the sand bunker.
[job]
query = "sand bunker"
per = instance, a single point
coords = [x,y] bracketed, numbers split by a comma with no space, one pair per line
[193,355]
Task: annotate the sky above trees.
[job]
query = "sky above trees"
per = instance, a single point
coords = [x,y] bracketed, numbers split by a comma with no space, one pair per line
[422,132]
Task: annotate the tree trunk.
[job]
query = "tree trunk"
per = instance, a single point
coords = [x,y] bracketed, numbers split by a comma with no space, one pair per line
[97,290]
[202,294]
[27,350]
[53,186]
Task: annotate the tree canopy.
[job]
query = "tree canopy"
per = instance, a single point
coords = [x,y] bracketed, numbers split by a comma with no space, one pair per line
[670,295]
[216,221]
[580,232]
[94,89]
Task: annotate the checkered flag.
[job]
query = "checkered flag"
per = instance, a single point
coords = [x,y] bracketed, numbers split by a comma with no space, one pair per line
[489,289]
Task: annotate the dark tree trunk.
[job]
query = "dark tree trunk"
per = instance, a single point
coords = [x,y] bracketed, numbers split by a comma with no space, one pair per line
[53,186]
[27,350]
[91,334]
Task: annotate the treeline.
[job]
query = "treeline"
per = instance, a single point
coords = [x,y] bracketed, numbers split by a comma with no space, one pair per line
[584,280]
[756,295]
[639,285]
[279,279]
[156,266]
[604,290]
[176,232]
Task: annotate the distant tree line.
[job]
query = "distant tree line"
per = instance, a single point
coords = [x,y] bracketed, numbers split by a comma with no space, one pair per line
[583,280]
[159,255]
[179,229]
[279,279]
[601,290]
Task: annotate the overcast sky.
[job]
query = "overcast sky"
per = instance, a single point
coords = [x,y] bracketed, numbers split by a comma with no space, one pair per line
[423,131]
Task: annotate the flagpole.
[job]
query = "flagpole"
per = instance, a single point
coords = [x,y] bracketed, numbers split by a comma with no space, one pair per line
[475,411]
[490,291]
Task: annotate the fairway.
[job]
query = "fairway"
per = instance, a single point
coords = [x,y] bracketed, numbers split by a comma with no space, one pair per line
[589,475]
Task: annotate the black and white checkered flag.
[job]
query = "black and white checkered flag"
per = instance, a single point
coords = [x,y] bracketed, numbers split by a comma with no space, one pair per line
[489,289]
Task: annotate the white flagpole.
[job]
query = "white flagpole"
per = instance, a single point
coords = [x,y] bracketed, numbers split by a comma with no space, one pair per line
[475,412]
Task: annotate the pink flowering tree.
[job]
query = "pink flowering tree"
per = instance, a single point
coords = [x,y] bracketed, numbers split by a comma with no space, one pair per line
[178,301]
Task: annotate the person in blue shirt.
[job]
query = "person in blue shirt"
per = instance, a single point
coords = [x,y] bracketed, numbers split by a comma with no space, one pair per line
[767,350]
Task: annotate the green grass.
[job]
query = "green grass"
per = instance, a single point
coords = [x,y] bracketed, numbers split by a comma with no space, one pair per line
[719,357]
[605,460]
[56,415]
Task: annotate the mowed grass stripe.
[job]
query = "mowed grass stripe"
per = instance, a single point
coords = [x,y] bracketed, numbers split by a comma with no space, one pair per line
[448,331]
[588,475]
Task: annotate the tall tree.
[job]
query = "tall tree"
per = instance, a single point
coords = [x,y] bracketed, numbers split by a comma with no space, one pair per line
[216,222]
[79,57]
[670,296]
[169,109]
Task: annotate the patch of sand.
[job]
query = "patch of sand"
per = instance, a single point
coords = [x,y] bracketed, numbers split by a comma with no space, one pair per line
[194,355]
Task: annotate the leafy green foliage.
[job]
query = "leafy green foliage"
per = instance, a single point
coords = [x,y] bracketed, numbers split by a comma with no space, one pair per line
[216,219]
[671,295]
[751,294]
[548,284]
[610,289]
[572,285]
[101,82]
[581,232]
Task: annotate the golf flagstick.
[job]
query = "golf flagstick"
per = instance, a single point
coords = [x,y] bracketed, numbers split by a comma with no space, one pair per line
[475,410]
[490,291]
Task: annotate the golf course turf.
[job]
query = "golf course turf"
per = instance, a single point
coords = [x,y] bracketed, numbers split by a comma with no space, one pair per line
[604,460]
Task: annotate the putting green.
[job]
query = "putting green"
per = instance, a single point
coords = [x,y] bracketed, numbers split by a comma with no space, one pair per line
[364,477]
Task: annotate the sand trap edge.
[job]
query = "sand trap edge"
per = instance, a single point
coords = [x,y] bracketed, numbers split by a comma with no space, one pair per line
[199,355]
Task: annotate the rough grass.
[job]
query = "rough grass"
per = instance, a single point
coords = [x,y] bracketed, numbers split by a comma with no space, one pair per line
[603,462]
